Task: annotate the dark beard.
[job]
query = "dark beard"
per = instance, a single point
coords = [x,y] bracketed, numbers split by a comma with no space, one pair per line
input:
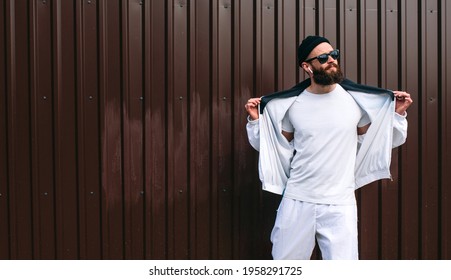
[321,77]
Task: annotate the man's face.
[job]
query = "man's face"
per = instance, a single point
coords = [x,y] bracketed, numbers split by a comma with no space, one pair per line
[327,73]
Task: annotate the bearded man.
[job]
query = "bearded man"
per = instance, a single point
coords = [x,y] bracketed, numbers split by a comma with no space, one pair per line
[318,143]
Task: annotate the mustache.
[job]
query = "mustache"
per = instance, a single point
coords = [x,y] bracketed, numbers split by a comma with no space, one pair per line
[332,65]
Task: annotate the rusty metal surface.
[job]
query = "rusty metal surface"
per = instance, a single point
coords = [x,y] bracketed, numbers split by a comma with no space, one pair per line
[122,124]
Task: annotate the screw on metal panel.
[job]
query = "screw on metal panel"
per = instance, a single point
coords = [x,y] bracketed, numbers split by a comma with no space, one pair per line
[350,9]
[142,192]
[44,97]
[44,2]
[92,193]
[141,98]
[89,1]
[180,191]
[224,98]
[46,193]
[140,2]
[91,97]
[181,97]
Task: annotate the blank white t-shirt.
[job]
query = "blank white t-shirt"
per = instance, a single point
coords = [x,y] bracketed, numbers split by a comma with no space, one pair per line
[325,140]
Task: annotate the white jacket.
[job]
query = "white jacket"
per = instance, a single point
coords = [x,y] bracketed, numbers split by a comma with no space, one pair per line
[387,130]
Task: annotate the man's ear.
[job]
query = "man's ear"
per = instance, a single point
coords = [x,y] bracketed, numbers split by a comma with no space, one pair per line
[306,67]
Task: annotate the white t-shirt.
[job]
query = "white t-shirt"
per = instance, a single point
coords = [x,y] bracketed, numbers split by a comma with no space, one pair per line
[325,140]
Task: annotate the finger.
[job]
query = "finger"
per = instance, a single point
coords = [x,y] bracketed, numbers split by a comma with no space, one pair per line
[405,99]
[401,94]
[253,103]
[257,99]
[250,106]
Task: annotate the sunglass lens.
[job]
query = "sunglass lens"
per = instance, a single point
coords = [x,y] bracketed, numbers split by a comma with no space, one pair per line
[323,58]
[335,54]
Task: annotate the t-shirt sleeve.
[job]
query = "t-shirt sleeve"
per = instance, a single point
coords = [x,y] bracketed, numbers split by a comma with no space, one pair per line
[286,124]
[364,120]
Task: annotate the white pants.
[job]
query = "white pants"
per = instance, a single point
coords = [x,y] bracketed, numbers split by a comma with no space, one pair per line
[298,223]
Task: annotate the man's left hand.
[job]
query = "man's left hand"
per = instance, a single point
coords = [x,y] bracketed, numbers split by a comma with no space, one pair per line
[403,101]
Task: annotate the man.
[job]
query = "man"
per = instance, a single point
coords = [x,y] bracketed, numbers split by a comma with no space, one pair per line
[318,142]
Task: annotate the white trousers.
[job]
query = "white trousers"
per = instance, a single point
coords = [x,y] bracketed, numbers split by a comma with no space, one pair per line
[299,223]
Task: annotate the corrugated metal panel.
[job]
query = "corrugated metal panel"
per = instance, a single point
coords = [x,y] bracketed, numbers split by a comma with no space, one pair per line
[445,100]
[122,124]
[410,206]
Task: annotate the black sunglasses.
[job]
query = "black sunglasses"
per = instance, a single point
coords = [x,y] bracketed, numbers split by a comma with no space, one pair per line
[323,58]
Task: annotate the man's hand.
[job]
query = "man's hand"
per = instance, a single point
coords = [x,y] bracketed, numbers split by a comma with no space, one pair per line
[403,101]
[252,107]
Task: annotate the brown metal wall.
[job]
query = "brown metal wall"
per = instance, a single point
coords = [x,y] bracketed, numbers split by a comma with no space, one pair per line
[122,124]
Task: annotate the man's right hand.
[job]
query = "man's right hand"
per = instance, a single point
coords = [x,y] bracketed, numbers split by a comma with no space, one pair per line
[252,107]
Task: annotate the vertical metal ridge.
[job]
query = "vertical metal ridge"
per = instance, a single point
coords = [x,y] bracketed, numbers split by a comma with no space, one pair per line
[440,131]
[236,38]
[126,112]
[359,41]
[191,72]
[34,116]
[133,128]
[147,77]
[167,27]
[56,61]
[4,184]
[422,128]
[446,128]
[430,106]
[103,139]
[213,126]
[80,113]
[11,93]
[170,131]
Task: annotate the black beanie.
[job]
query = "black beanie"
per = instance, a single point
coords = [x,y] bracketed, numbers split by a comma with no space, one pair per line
[307,45]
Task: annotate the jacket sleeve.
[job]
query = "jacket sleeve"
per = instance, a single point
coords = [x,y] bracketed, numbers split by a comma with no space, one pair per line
[253,133]
[399,130]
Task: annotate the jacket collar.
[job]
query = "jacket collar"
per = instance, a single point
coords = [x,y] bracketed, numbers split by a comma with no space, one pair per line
[300,87]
